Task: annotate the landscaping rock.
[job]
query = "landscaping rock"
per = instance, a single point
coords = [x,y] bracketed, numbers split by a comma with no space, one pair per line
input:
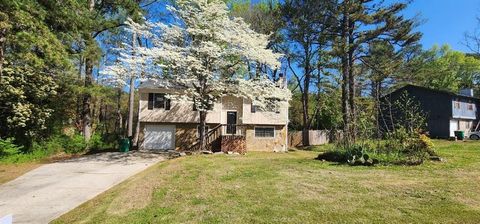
[207,152]
[216,153]
[229,152]
[182,154]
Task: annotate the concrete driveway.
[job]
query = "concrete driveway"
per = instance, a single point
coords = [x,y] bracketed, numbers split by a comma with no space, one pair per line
[51,190]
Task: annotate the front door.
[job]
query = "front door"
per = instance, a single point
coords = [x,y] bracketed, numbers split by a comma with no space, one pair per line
[231,122]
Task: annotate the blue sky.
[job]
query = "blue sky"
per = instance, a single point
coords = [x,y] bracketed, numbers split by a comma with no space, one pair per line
[446,21]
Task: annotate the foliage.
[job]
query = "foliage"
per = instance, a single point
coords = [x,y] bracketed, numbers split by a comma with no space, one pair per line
[37,151]
[8,148]
[25,103]
[445,69]
[399,148]
[205,52]
[408,114]
[73,144]
[404,142]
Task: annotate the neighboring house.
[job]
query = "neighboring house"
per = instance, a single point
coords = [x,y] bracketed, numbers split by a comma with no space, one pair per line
[446,111]
[234,124]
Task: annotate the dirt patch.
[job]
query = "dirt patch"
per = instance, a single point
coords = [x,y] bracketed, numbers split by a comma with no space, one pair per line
[9,172]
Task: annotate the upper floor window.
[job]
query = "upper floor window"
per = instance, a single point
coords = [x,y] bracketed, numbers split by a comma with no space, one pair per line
[269,108]
[456,105]
[469,106]
[253,108]
[158,100]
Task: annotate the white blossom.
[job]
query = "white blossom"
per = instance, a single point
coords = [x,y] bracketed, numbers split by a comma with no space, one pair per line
[205,52]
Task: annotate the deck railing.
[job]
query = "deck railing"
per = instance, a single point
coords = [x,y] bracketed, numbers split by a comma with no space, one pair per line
[234,129]
[215,133]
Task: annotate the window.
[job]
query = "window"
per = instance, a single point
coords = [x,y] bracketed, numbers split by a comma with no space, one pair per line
[269,108]
[469,106]
[253,108]
[264,132]
[158,100]
[456,105]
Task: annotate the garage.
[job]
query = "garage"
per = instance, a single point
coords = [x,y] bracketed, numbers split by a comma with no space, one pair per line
[453,127]
[159,137]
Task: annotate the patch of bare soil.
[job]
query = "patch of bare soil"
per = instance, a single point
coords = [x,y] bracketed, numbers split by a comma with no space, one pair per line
[9,172]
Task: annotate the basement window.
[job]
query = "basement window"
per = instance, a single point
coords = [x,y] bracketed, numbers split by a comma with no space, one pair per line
[264,132]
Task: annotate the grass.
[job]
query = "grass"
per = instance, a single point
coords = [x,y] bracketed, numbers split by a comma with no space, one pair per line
[293,188]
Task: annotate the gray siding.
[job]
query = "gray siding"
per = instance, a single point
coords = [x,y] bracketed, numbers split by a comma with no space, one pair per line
[436,105]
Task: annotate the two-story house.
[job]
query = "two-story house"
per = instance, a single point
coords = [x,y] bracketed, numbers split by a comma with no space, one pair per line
[446,111]
[233,124]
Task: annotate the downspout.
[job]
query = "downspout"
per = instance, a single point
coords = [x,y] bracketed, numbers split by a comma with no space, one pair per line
[286,132]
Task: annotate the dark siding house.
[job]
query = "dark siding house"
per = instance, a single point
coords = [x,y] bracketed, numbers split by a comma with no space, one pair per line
[446,111]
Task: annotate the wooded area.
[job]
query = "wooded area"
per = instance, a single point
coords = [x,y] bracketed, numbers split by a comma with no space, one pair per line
[59,87]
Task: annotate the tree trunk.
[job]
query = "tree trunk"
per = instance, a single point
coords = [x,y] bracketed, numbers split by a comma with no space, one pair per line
[351,82]
[376,104]
[2,47]
[119,120]
[130,106]
[202,135]
[305,96]
[306,121]
[137,128]
[87,100]
[131,98]
[345,72]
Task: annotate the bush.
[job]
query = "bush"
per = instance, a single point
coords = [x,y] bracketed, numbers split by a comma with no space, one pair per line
[399,148]
[73,144]
[37,151]
[99,142]
[8,148]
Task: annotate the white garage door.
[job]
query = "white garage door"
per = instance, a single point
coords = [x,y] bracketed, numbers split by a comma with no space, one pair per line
[453,127]
[159,137]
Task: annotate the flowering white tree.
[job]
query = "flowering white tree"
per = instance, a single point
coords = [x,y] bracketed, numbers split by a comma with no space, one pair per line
[208,54]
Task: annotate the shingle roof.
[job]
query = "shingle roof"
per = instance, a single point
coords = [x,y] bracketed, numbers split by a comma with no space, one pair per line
[434,90]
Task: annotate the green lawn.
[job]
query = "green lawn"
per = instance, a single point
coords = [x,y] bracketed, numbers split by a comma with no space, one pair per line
[293,188]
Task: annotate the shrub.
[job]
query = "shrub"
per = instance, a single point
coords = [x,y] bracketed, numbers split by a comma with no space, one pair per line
[8,148]
[74,144]
[101,142]
[399,148]
[37,151]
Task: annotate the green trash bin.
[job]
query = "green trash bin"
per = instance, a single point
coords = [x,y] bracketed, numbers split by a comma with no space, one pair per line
[124,144]
[460,135]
